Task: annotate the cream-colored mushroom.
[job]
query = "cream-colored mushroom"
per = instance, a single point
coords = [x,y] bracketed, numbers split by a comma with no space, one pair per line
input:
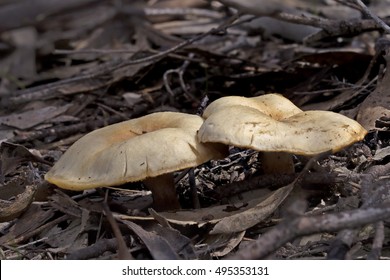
[149,148]
[304,133]
[273,105]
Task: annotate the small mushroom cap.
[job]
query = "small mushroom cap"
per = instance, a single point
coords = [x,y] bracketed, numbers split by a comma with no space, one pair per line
[273,105]
[306,133]
[133,150]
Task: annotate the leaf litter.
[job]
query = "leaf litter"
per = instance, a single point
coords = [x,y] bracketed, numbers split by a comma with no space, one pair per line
[83,65]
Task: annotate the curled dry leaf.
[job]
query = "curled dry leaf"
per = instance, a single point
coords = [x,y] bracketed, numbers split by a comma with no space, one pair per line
[10,210]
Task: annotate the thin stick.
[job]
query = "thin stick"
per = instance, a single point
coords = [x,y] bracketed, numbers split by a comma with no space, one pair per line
[123,253]
[305,225]
[368,13]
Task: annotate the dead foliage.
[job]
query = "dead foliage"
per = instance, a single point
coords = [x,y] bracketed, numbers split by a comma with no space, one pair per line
[69,67]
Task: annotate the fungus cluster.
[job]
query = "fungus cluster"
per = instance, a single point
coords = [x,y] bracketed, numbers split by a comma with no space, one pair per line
[152,147]
[144,149]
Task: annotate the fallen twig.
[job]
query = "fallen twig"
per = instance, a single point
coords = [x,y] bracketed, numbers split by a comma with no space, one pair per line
[304,225]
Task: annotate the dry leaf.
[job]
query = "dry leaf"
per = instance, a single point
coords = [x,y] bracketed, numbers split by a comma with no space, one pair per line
[288,30]
[12,155]
[65,204]
[380,154]
[158,247]
[244,220]
[68,239]
[33,117]
[211,215]
[21,63]
[33,218]
[10,210]
[243,212]
[16,185]
[261,7]
[223,244]
[178,242]
[305,240]
[377,104]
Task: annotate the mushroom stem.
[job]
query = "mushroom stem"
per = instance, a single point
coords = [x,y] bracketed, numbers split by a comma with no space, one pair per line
[194,190]
[163,192]
[277,163]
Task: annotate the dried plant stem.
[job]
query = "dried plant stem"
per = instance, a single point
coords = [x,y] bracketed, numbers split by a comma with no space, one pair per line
[367,11]
[304,225]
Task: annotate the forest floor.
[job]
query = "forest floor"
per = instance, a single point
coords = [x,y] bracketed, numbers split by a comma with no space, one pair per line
[70,67]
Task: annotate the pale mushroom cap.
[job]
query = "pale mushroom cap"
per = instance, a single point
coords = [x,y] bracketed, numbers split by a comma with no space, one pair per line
[133,150]
[273,105]
[306,133]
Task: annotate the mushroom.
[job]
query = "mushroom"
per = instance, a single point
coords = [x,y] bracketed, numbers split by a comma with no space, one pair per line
[273,105]
[297,132]
[148,148]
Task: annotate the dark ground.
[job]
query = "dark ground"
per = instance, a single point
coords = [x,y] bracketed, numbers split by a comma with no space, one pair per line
[69,67]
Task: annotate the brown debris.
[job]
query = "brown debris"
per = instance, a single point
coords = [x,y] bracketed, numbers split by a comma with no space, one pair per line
[70,67]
